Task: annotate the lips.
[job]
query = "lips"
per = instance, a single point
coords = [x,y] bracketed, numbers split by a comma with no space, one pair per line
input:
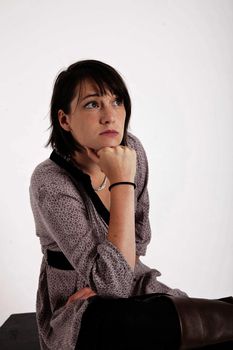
[109,132]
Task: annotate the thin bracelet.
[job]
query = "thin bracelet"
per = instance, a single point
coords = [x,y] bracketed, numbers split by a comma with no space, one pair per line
[122,183]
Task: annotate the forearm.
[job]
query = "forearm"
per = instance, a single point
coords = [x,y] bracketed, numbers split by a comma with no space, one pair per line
[122,222]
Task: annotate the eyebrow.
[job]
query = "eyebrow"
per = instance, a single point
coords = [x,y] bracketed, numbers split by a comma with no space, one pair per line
[90,95]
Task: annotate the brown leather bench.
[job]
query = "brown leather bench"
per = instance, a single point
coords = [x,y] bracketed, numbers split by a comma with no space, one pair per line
[19,332]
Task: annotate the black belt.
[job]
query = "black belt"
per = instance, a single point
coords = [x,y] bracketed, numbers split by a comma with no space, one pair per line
[58,260]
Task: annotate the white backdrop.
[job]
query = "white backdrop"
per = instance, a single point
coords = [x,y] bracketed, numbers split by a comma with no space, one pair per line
[176,58]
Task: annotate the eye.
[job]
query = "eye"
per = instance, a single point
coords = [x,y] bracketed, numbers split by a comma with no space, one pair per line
[91,105]
[118,101]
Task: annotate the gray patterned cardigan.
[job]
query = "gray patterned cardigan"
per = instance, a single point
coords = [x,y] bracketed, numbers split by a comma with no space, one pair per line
[71,219]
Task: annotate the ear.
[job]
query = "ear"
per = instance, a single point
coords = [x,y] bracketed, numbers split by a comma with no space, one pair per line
[64,120]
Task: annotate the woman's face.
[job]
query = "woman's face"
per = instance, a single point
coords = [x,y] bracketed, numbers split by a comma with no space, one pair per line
[91,114]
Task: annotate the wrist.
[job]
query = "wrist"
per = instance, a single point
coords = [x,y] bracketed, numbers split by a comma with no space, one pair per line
[122,183]
[113,181]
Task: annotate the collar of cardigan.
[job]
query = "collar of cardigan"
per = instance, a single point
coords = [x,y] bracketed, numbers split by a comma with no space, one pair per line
[82,182]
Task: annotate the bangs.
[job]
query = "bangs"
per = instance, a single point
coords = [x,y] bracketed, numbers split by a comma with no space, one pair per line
[104,83]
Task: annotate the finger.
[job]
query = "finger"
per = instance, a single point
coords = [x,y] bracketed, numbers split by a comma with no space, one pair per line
[88,292]
[74,297]
[103,149]
[88,295]
[85,292]
[91,293]
[81,294]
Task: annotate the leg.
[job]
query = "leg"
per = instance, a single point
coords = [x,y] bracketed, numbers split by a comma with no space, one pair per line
[133,323]
[221,346]
[137,322]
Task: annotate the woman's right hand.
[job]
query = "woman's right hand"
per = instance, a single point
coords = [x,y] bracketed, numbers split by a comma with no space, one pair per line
[83,293]
[117,163]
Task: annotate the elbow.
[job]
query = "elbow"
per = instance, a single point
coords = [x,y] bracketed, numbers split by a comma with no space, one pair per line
[112,284]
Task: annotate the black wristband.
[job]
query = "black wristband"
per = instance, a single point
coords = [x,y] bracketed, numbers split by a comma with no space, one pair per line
[122,183]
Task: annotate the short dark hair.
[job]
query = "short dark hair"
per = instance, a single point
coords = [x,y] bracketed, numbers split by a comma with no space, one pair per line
[64,91]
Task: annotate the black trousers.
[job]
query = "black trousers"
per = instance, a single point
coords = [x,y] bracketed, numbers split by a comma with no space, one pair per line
[139,322]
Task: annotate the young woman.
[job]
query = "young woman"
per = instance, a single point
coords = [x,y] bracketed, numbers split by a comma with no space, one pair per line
[91,208]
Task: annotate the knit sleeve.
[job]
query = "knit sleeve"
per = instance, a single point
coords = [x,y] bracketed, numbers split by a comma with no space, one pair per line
[142,222]
[62,215]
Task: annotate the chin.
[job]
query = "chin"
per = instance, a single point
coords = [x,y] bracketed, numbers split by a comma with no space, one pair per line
[112,143]
[107,143]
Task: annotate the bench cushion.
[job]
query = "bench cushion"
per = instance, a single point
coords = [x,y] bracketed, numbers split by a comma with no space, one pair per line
[20,332]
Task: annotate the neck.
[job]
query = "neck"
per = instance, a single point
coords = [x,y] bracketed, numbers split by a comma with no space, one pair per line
[87,165]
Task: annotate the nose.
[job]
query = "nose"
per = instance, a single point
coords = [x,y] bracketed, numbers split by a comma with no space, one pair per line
[108,114]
